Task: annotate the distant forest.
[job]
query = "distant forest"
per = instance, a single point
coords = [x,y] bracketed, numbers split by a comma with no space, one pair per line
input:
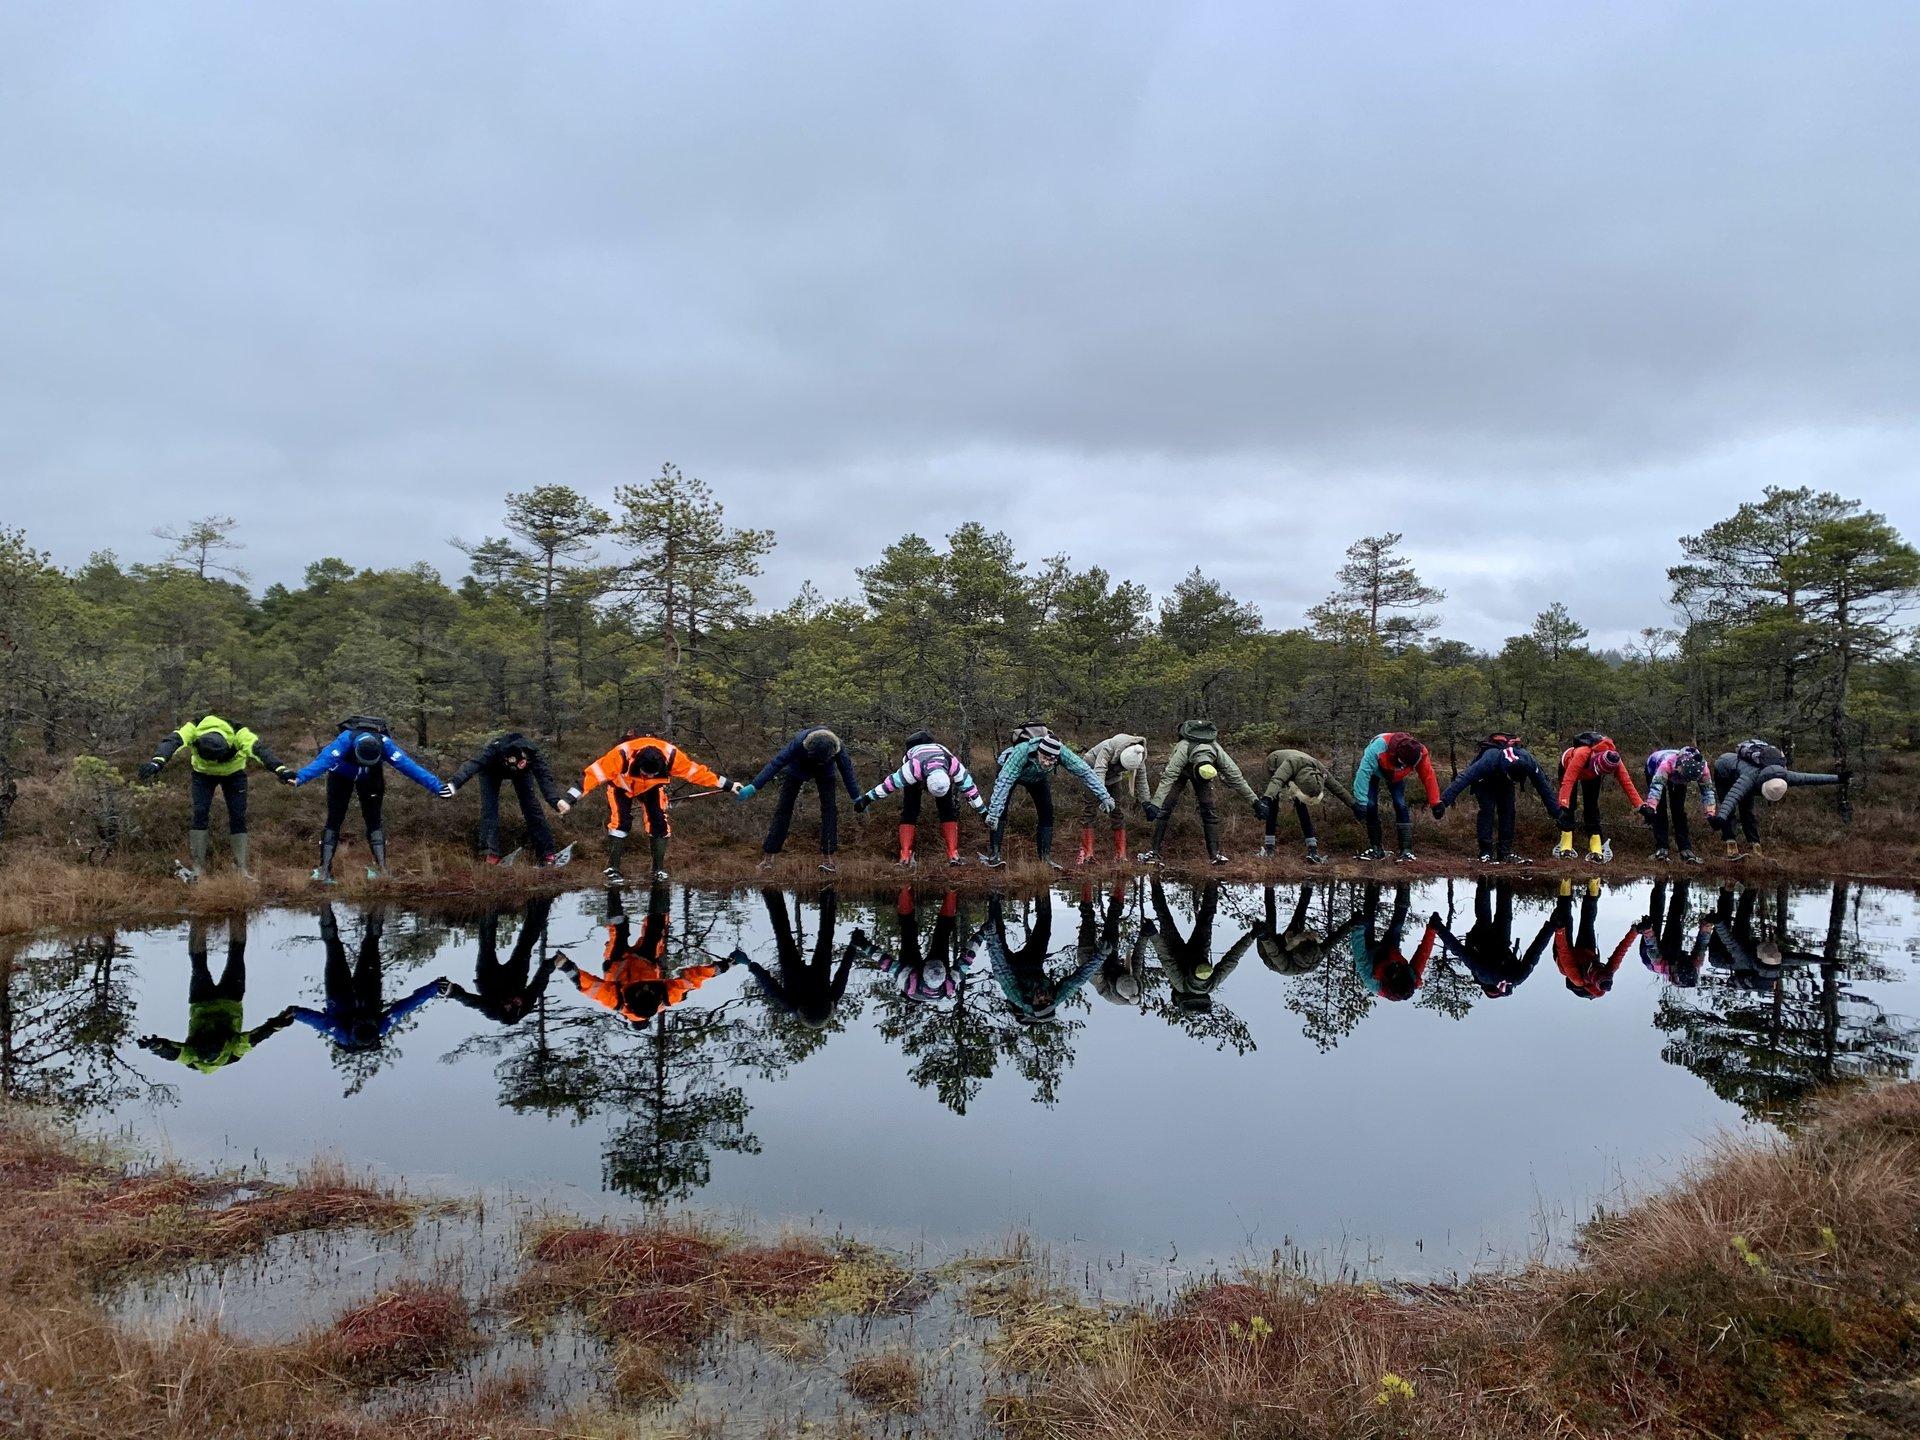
[1786,619]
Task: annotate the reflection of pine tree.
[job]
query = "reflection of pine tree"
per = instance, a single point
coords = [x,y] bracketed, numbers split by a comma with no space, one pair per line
[1449,987]
[1330,999]
[65,1014]
[954,1045]
[1766,1040]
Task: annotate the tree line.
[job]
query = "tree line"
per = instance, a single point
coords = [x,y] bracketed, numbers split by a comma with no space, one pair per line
[1786,619]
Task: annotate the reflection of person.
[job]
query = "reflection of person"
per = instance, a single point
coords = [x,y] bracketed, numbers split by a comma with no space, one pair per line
[1297,948]
[1036,996]
[217,1033]
[506,992]
[355,1015]
[1381,964]
[1117,976]
[1576,952]
[1488,951]
[1664,948]
[1188,962]
[637,983]
[931,972]
[807,989]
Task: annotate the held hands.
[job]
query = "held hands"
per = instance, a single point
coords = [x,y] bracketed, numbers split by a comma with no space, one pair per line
[563,807]
[443,985]
[1263,809]
[745,792]
[1107,807]
[446,791]
[1440,812]
[148,770]
[860,806]
[1153,811]
[734,787]
[286,776]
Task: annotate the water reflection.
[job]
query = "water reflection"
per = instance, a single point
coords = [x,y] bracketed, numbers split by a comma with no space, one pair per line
[673,1018]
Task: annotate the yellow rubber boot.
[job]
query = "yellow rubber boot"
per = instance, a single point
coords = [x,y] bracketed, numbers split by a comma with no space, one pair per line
[1565,851]
[1593,847]
[1566,888]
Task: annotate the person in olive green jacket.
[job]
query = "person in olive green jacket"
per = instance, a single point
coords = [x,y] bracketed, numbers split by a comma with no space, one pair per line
[1198,760]
[1297,775]
[217,1033]
[219,754]
[1113,760]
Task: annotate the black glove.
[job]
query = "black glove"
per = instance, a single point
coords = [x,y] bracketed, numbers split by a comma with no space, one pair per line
[1440,812]
[1263,809]
[1152,810]
[1646,812]
[287,776]
[860,805]
[148,770]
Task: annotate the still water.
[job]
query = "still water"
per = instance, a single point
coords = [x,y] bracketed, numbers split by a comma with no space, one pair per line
[1419,1078]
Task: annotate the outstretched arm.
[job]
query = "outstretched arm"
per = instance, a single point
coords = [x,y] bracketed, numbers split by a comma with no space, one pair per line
[410,767]
[1169,777]
[164,752]
[330,756]
[1797,778]
[1427,777]
[1083,772]
[851,781]
[1231,769]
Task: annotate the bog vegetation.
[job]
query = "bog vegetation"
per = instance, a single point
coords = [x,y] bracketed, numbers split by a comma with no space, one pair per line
[1785,619]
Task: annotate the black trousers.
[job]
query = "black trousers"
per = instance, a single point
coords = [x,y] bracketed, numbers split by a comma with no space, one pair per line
[791,784]
[1671,817]
[1748,818]
[539,833]
[1300,813]
[911,797]
[1499,804]
[1203,801]
[1586,796]
[1042,793]
[369,785]
[233,787]
[232,984]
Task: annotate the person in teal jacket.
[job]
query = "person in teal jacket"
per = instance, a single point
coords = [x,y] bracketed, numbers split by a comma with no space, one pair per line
[1029,763]
[355,763]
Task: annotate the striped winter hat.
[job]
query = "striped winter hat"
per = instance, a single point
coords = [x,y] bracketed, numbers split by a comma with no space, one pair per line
[1050,746]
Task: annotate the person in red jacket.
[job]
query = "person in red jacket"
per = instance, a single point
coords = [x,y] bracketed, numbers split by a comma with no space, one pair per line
[1587,764]
[1386,764]
[1577,953]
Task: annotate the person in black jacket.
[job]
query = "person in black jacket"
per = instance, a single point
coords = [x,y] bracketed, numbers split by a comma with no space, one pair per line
[512,759]
[1495,777]
[508,992]
[1489,951]
[806,989]
[1752,771]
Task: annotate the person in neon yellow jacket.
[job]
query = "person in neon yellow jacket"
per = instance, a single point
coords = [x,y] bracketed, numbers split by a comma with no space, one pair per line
[217,1033]
[219,754]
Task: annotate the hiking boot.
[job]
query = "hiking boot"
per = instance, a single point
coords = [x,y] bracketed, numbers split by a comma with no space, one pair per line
[1404,856]
[1314,857]
[828,867]
[1660,854]
[660,877]
[1512,859]
[1266,849]
[956,860]
[766,864]
[1487,857]
[1372,852]
[1216,859]
[993,861]
[1148,857]
[613,876]
[1690,858]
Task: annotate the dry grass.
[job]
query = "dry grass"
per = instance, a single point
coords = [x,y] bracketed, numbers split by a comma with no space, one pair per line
[404,1331]
[1775,1291]
[889,1382]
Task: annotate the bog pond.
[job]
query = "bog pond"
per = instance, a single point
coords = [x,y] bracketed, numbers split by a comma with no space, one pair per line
[1407,1079]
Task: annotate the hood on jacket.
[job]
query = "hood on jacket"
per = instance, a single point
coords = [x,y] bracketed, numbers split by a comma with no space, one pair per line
[1198,731]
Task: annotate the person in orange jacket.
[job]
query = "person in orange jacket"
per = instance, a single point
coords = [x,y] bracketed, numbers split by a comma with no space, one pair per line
[1587,763]
[638,984]
[636,773]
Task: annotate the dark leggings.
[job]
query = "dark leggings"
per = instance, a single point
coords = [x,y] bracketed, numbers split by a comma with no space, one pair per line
[234,787]
[1498,804]
[1747,817]
[1203,802]
[1672,812]
[1370,812]
[791,784]
[1586,795]
[232,985]
[911,797]
[1300,812]
[539,835]
[1042,793]
[369,785]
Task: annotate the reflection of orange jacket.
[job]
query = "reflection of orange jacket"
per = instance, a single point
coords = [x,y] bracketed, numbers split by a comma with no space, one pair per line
[1581,964]
[612,769]
[628,965]
[1577,763]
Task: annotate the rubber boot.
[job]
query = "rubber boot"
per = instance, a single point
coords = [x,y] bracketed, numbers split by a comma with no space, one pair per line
[906,843]
[1404,829]
[1086,846]
[1119,842]
[1159,834]
[377,843]
[240,847]
[329,842]
[197,850]
[1594,844]
[1733,850]
[1564,850]
[1211,830]
[616,848]
[657,844]
[1043,842]
[950,833]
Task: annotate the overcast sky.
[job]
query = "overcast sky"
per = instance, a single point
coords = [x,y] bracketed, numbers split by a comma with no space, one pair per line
[1543,286]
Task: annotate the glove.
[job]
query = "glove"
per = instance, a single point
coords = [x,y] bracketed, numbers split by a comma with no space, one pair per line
[745,792]
[1440,812]
[148,770]
[286,776]
[1263,809]
[1107,806]
[443,985]
[563,807]
[1154,812]
[446,791]
[738,957]
[1646,814]
[860,806]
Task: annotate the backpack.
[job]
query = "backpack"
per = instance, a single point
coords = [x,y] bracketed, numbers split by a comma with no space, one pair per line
[367,722]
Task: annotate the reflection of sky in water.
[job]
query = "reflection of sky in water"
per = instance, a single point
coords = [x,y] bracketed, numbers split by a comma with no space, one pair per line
[1447,1122]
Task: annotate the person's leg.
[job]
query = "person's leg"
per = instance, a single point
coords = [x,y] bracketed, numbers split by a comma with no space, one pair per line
[1043,819]
[201,788]
[1508,815]
[1303,814]
[490,817]
[1088,809]
[1371,814]
[782,821]
[948,807]
[1209,818]
[1662,816]
[1682,831]
[619,827]
[200,986]
[829,816]
[339,796]
[372,789]
[1271,828]
[1590,806]
[532,810]
[652,809]
[1402,819]
[233,979]
[235,788]
[911,798]
[1483,819]
[1165,818]
[1750,818]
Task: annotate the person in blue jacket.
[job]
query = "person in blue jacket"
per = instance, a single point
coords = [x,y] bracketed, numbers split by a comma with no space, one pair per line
[355,1015]
[355,763]
[1029,763]
[814,755]
[1495,777]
